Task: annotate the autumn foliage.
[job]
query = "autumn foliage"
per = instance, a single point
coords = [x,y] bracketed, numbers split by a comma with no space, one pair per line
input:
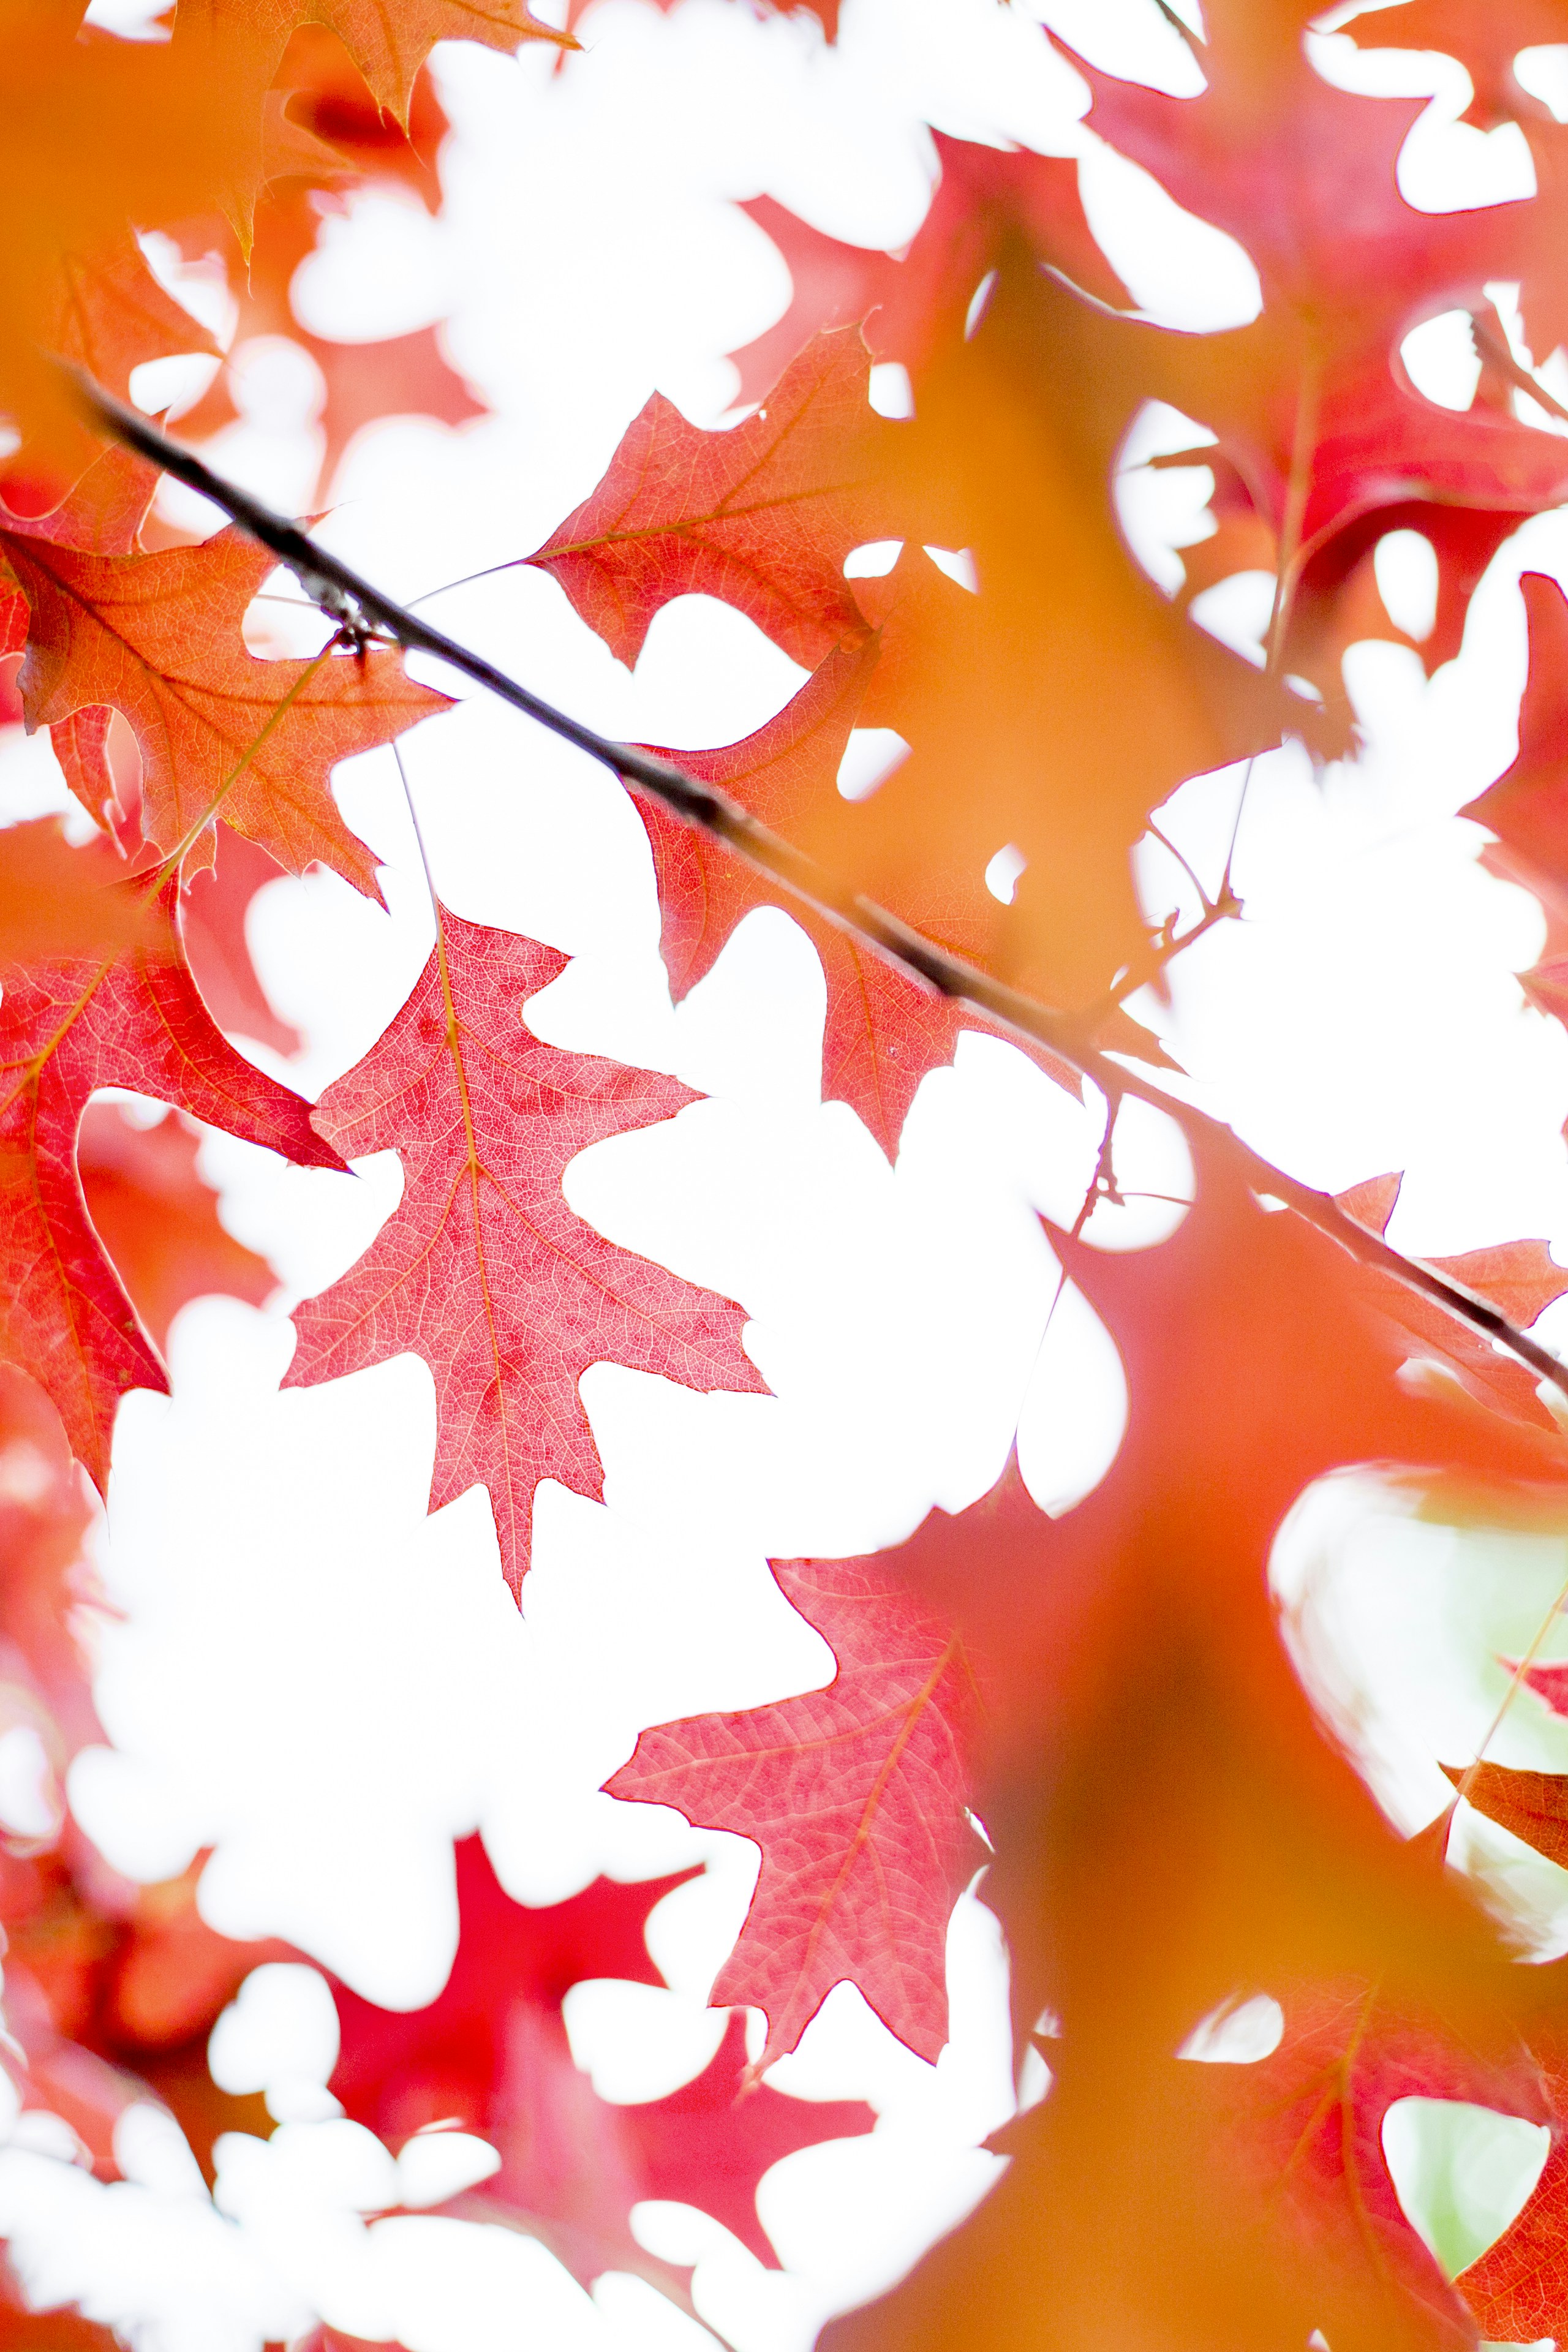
[1097,1709]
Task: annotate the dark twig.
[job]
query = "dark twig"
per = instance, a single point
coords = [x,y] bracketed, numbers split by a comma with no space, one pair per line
[360,610]
[1164,947]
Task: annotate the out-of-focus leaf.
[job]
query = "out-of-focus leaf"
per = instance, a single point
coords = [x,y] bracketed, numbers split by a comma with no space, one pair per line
[491,2052]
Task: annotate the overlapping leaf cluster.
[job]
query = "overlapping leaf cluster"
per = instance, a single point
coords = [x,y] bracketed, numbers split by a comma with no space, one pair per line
[124,963]
[1173,1829]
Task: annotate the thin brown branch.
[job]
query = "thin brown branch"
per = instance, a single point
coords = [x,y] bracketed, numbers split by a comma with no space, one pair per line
[357,607]
[1166,944]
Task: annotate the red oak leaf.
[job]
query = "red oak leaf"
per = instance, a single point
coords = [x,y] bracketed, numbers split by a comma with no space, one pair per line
[575,2164]
[1276,2171]
[1489,41]
[1234,156]
[1533,1805]
[158,1220]
[145,143]
[1067,663]
[857,1796]
[709,2143]
[327,94]
[903,304]
[44,1517]
[884,1031]
[217,901]
[131,1020]
[1546,986]
[1316,389]
[1521,1279]
[248,38]
[56,900]
[493,2053]
[1528,805]
[1003,707]
[22,2329]
[482,1269]
[1169,1821]
[1486,41]
[1517,2290]
[103,513]
[112,316]
[1338,601]
[81,744]
[398,2070]
[158,638]
[238,48]
[1306,2148]
[762,516]
[405,375]
[1548,1682]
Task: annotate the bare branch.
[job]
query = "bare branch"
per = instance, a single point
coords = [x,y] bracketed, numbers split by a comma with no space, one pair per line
[359,609]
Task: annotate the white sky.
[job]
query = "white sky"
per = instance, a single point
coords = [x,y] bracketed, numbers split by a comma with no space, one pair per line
[324,1685]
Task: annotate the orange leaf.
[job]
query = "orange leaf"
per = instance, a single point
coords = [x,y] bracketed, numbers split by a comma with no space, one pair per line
[158,1220]
[158,638]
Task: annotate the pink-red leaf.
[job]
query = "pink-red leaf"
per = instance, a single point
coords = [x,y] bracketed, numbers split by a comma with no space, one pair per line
[482,1268]
[133,1019]
[903,303]
[491,2050]
[1528,805]
[1518,2288]
[217,902]
[158,1218]
[855,1795]
[1309,2146]
[762,516]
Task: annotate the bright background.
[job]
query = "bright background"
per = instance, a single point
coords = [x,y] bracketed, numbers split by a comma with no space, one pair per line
[325,1685]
